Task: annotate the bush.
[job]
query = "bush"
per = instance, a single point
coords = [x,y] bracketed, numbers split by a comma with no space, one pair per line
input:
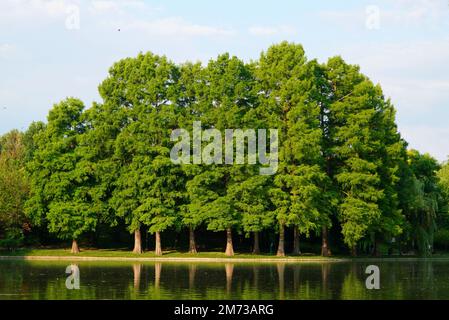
[441,239]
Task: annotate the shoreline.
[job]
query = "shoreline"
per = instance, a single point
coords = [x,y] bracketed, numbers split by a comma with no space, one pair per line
[175,259]
[220,260]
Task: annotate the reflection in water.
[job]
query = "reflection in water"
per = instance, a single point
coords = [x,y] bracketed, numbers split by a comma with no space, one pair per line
[157,275]
[296,274]
[281,271]
[192,272]
[255,277]
[325,271]
[229,267]
[113,280]
[137,270]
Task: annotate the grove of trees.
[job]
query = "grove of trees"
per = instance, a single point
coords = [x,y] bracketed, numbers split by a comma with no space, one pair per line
[343,166]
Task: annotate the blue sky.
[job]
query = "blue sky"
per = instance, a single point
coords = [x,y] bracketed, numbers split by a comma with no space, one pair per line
[51,49]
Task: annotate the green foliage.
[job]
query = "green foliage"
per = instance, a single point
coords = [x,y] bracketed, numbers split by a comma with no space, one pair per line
[289,87]
[61,177]
[427,202]
[14,189]
[341,157]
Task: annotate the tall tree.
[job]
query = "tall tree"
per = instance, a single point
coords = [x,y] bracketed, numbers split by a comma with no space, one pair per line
[228,98]
[364,141]
[61,179]
[144,90]
[288,93]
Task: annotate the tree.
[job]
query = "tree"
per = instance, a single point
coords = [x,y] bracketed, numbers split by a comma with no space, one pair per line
[356,132]
[14,189]
[192,87]
[251,199]
[288,93]
[61,179]
[228,99]
[144,93]
[427,203]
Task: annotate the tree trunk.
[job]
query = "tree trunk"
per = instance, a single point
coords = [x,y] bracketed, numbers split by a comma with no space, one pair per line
[229,247]
[75,248]
[256,248]
[376,249]
[296,248]
[325,252]
[158,249]
[192,244]
[354,251]
[281,249]
[137,242]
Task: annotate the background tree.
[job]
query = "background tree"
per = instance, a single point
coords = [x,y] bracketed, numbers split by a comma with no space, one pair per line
[14,189]
[428,201]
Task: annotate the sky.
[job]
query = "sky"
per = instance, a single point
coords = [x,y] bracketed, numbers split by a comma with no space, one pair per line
[52,49]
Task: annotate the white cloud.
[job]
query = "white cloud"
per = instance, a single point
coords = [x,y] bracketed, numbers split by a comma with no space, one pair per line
[23,10]
[271,30]
[401,13]
[117,6]
[417,12]
[175,26]
[7,50]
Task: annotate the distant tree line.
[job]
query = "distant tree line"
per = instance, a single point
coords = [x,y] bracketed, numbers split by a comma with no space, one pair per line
[342,161]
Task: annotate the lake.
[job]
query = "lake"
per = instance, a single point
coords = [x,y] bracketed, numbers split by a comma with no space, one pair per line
[417,279]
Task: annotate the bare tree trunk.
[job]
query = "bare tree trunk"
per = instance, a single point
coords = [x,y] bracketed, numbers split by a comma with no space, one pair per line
[324,245]
[256,248]
[137,242]
[296,248]
[229,247]
[354,251]
[281,249]
[75,248]
[192,243]
[158,249]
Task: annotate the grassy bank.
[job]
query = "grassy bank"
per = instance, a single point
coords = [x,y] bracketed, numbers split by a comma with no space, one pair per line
[117,254]
[114,253]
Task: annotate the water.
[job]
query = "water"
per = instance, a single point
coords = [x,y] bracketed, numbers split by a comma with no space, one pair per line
[166,280]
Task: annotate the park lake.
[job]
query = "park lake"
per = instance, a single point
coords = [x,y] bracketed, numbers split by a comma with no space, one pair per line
[399,279]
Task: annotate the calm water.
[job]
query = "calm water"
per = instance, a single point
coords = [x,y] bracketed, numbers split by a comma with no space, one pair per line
[342,280]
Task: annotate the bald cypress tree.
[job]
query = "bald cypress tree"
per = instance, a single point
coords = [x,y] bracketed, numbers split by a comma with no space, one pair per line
[142,93]
[289,93]
[62,177]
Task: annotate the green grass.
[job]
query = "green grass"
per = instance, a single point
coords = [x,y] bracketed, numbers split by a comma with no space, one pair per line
[128,254]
